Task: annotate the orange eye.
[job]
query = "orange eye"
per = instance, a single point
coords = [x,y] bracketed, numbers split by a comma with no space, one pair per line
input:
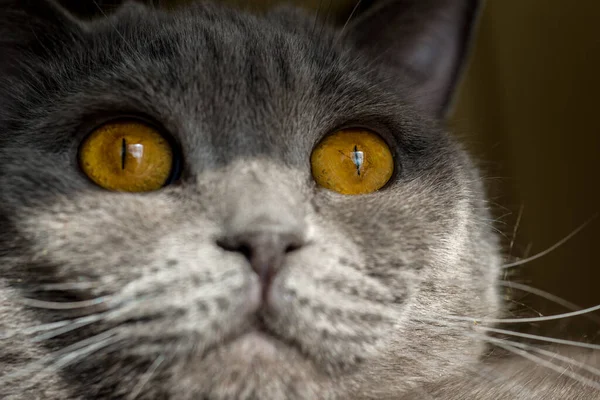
[352,162]
[127,156]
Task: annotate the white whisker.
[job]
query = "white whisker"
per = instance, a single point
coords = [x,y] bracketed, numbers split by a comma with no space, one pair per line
[76,355]
[547,353]
[66,286]
[523,320]
[50,326]
[541,293]
[341,34]
[551,248]
[146,377]
[545,363]
[47,361]
[54,305]
[486,374]
[542,338]
[516,229]
[80,322]
[527,250]
[59,327]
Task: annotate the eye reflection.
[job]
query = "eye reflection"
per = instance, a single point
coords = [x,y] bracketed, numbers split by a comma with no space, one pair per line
[358,158]
[136,150]
[128,151]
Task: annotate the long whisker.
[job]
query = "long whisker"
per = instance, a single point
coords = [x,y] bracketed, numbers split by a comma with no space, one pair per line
[541,293]
[71,327]
[542,338]
[77,355]
[484,373]
[146,378]
[551,248]
[341,34]
[54,305]
[50,326]
[545,363]
[512,333]
[516,229]
[547,353]
[57,355]
[524,320]
[66,286]
[521,348]
[57,328]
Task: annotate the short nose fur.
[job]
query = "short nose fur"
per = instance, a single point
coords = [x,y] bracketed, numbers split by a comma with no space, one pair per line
[265,250]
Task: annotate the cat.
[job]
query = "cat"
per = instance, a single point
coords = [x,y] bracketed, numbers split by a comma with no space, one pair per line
[244,274]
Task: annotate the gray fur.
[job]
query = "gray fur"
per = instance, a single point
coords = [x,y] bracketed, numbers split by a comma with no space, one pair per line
[357,312]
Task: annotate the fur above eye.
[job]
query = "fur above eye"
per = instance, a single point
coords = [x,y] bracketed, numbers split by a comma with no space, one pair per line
[127,156]
[352,162]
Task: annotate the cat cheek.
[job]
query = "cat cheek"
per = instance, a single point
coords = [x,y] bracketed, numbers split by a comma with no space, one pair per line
[95,234]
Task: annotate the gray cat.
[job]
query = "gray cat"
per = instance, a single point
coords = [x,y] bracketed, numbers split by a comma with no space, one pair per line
[204,204]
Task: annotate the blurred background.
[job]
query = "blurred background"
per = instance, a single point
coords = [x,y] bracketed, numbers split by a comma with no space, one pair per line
[529,110]
[528,107]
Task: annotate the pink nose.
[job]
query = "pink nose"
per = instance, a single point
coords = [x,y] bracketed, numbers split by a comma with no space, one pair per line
[265,250]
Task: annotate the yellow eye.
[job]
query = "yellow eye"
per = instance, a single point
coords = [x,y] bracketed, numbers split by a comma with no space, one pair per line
[352,162]
[127,156]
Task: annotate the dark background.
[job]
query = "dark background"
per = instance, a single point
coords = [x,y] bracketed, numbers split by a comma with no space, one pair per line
[529,107]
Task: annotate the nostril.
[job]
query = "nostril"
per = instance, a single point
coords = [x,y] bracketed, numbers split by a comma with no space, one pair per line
[250,244]
[293,247]
[236,247]
[226,244]
[265,251]
[245,250]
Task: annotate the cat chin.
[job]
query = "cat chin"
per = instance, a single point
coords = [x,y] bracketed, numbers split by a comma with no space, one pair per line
[258,348]
[253,365]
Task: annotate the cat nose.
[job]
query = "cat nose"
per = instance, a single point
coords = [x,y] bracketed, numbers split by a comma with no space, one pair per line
[265,250]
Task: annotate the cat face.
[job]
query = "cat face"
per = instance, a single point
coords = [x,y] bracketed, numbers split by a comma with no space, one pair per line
[242,278]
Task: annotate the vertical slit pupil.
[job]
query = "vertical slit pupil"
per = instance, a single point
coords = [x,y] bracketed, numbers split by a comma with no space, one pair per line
[357,160]
[123,153]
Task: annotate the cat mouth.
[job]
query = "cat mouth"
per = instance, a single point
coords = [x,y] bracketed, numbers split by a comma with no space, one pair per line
[259,327]
[258,342]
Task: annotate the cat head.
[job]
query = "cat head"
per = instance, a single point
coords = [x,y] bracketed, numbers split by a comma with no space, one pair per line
[248,274]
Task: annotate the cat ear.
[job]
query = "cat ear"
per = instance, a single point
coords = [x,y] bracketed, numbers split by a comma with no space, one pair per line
[34,24]
[426,40]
